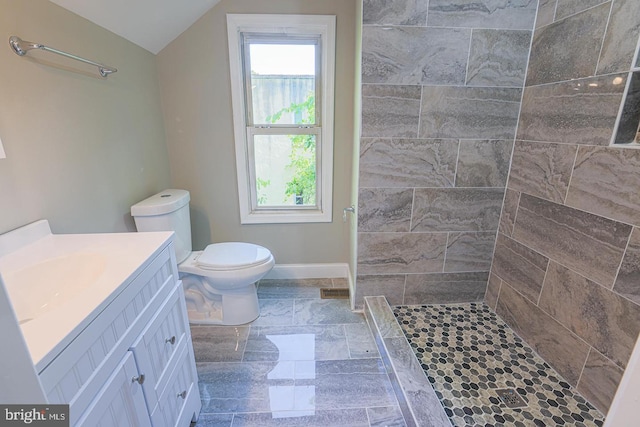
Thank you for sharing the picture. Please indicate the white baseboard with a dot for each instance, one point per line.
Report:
(309, 271)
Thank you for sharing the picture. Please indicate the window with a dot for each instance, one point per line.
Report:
(282, 73)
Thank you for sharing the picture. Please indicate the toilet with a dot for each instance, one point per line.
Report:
(219, 282)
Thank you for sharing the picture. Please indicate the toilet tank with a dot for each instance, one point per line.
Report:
(166, 211)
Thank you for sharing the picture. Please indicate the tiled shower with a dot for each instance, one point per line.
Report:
(480, 131)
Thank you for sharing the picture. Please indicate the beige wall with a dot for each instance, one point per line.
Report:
(196, 97)
(80, 149)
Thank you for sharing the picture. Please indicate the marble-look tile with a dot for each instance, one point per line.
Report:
(599, 381)
(469, 251)
(219, 343)
(568, 49)
(235, 387)
(324, 312)
(571, 7)
(509, 212)
(575, 112)
(482, 13)
(483, 163)
(352, 383)
(556, 344)
(419, 393)
(386, 162)
(307, 418)
(390, 110)
(605, 182)
(291, 288)
(456, 209)
(546, 12)
(381, 319)
(274, 312)
(469, 112)
(425, 56)
(360, 341)
(522, 268)
(393, 253)
(214, 420)
(628, 280)
(296, 343)
(386, 416)
(620, 40)
(498, 58)
(384, 209)
(542, 169)
(445, 288)
(340, 282)
(389, 286)
(605, 320)
(395, 12)
(584, 242)
(270, 386)
(493, 291)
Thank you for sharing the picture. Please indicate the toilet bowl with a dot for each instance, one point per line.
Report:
(219, 282)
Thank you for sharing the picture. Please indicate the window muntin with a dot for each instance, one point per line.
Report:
(284, 137)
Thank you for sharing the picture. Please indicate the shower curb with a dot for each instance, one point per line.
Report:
(417, 399)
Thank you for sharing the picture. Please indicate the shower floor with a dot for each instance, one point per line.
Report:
(468, 354)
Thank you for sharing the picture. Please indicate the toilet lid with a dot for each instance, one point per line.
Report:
(232, 255)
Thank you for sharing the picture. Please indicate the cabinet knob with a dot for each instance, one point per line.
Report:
(171, 340)
(183, 394)
(139, 379)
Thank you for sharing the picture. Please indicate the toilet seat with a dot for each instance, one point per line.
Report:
(232, 256)
(233, 275)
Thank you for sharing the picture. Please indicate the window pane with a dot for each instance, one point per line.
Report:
(283, 83)
(285, 170)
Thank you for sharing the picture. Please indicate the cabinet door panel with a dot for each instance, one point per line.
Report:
(120, 402)
(156, 349)
(180, 399)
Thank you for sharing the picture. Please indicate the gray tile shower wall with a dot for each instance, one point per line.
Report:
(566, 270)
(442, 85)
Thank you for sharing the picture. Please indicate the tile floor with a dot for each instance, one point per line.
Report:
(468, 353)
(304, 362)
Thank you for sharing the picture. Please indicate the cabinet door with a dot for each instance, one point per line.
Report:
(120, 402)
(180, 400)
(156, 349)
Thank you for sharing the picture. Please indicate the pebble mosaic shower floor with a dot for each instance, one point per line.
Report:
(468, 354)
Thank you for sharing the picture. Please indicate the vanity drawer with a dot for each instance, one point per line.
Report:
(157, 349)
(176, 405)
(72, 377)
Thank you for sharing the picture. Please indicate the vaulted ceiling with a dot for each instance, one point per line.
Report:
(151, 24)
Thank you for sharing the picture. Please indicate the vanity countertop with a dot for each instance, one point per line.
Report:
(59, 283)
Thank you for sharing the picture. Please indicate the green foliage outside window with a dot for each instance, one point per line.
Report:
(302, 159)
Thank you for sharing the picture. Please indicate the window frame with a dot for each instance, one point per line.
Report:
(294, 26)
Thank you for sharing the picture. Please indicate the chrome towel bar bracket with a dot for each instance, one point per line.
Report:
(21, 47)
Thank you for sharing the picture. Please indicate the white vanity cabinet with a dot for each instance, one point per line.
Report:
(133, 364)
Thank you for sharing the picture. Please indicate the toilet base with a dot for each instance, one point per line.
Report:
(209, 306)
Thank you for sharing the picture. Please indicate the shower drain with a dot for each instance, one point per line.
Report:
(511, 398)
